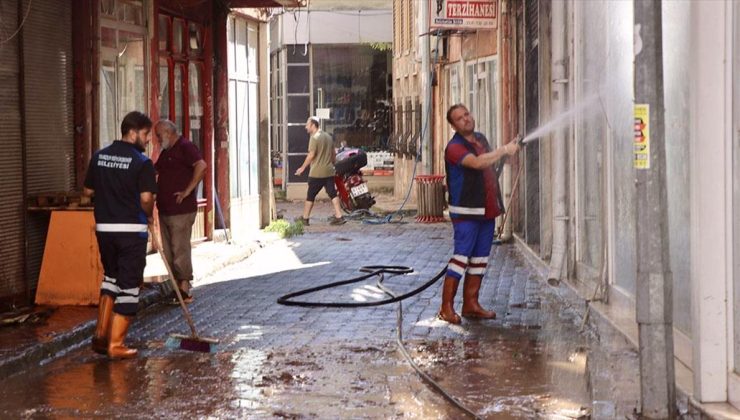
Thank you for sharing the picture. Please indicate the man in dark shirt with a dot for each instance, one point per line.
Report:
(180, 168)
(121, 177)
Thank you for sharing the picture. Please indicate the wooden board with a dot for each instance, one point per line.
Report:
(71, 271)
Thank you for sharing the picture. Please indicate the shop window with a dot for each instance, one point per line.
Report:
(233, 135)
(252, 45)
(164, 33)
(178, 31)
(107, 38)
(177, 86)
(296, 55)
(482, 97)
(298, 79)
(181, 76)
(195, 110)
(230, 37)
(195, 38)
(241, 46)
(164, 87)
(126, 11)
(195, 105)
(455, 91)
(353, 82)
(123, 75)
(108, 8)
(244, 98)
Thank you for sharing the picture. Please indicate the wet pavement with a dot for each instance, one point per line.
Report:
(289, 362)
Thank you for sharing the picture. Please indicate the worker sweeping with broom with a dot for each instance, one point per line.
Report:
(474, 204)
(121, 177)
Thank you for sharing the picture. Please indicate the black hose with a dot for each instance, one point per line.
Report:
(380, 271)
(371, 270)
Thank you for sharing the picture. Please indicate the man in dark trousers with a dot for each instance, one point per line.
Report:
(474, 204)
(180, 168)
(121, 178)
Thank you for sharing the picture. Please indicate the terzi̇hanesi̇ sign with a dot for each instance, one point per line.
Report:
(463, 14)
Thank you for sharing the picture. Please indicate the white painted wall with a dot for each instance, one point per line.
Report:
(710, 230)
(336, 26)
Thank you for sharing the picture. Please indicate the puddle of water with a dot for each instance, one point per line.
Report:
(513, 375)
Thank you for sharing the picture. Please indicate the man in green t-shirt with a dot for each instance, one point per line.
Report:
(321, 158)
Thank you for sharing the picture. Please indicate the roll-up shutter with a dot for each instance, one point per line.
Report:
(47, 64)
(11, 159)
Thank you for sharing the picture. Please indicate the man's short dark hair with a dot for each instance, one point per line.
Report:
(314, 122)
(451, 110)
(135, 120)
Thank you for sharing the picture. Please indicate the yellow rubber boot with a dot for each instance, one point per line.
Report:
(102, 330)
(471, 307)
(118, 329)
(447, 311)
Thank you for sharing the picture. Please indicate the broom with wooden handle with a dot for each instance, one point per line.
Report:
(193, 342)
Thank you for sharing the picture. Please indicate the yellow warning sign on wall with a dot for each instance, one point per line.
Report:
(642, 136)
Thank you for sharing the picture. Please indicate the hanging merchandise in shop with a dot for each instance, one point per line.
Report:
(463, 14)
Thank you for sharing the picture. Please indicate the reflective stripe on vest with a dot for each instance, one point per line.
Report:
(469, 211)
(120, 227)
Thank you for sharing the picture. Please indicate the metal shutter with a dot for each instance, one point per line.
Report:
(47, 63)
(11, 159)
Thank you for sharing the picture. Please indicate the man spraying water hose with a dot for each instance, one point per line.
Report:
(474, 204)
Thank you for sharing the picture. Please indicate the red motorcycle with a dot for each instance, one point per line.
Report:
(352, 189)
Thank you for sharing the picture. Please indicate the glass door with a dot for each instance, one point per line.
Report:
(181, 88)
(123, 76)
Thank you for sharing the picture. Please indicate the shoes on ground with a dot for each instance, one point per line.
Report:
(186, 297)
(337, 220)
(302, 220)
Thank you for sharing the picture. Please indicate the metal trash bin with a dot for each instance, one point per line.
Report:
(430, 196)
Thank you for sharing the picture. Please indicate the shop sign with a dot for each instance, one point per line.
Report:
(463, 14)
(642, 136)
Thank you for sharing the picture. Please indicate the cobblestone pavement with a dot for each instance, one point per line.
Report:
(289, 362)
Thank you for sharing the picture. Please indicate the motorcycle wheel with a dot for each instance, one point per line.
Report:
(344, 207)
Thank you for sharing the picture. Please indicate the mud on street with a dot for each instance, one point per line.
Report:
(288, 362)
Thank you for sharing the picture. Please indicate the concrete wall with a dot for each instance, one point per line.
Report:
(406, 84)
(676, 69)
(710, 229)
(355, 26)
(617, 96)
(341, 5)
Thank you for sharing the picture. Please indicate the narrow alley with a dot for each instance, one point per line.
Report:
(287, 362)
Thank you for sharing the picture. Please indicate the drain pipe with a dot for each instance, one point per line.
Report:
(559, 75)
(427, 146)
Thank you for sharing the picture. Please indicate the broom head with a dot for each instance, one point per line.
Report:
(190, 343)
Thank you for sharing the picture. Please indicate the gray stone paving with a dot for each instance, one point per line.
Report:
(278, 361)
(243, 312)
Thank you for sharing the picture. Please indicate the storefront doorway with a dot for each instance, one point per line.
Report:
(181, 88)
